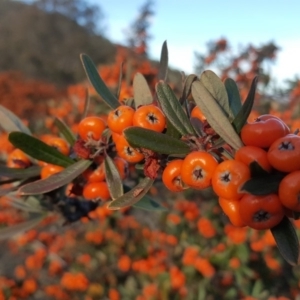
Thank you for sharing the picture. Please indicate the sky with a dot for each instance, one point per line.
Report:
(187, 26)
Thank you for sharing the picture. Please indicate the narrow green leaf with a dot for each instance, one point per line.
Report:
(163, 63)
(287, 241)
(241, 118)
(148, 203)
(38, 149)
(113, 179)
(55, 181)
(87, 102)
(158, 142)
(172, 109)
(215, 115)
(141, 91)
(10, 122)
(5, 191)
(29, 205)
(172, 131)
(11, 231)
(263, 185)
(133, 196)
(65, 130)
(256, 170)
(234, 97)
(97, 82)
(187, 87)
(217, 89)
(18, 173)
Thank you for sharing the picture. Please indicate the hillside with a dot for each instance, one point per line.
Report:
(46, 46)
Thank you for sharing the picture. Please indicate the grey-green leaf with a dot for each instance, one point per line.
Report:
(38, 149)
(215, 115)
(234, 97)
(65, 130)
(113, 179)
(97, 82)
(147, 203)
(133, 196)
(141, 91)
(173, 109)
(287, 241)
(187, 87)
(217, 89)
(241, 118)
(11, 231)
(158, 142)
(10, 122)
(18, 173)
(163, 63)
(55, 181)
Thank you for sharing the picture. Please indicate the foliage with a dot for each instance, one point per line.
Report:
(156, 244)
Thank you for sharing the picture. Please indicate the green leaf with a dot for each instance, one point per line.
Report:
(187, 87)
(133, 196)
(5, 191)
(215, 115)
(163, 63)
(158, 142)
(30, 204)
(172, 131)
(241, 118)
(141, 91)
(65, 131)
(216, 88)
(38, 149)
(287, 241)
(234, 97)
(11, 231)
(113, 179)
(97, 82)
(256, 170)
(87, 102)
(55, 181)
(263, 185)
(18, 173)
(172, 109)
(148, 203)
(10, 122)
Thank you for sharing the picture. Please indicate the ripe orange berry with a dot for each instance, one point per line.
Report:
(261, 212)
(197, 113)
(120, 118)
(289, 191)
(18, 159)
(197, 169)
(228, 177)
(59, 144)
(126, 152)
(231, 210)
(263, 131)
(91, 128)
(96, 190)
(150, 117)
(171, 176)
(49, 170)
(249, 154)
(284, 153)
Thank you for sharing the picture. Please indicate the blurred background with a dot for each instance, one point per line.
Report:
(191, 251)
